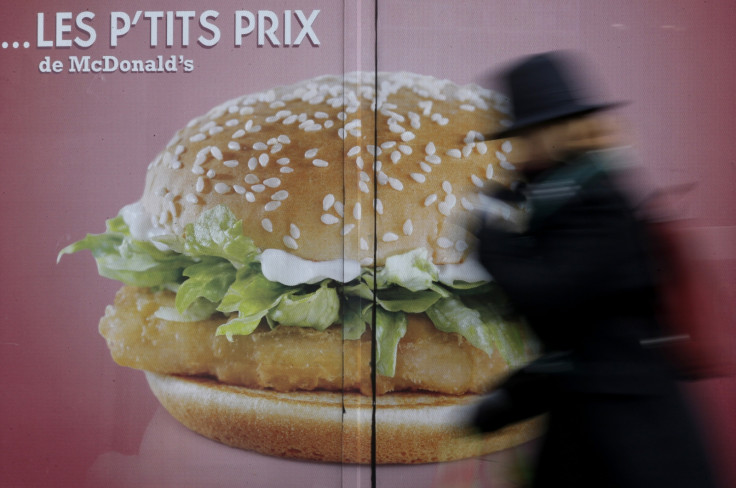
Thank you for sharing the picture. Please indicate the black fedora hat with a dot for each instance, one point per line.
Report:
(544, 88)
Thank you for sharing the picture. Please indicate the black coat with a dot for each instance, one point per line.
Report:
(582, 275)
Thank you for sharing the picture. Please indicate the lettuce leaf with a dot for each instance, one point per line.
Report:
(317, 309)
(411, 270)
(390, 328)
(215, 268)
(122, 258)
(217, 232)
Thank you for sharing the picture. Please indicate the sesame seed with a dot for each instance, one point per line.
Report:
(328, 201)
(284, 139)
(277, 104)
(191, 198)
(405, 149)
(294, 231)
(280, 195)
(451, 200)
(286, 169)
(425, 167)
(396, 128)
(276, 148)
(363, 187)
(272, 182)
(252, 164)
(373, 150)
(408, 227)
(267, 225)
(418, 177)
(476, 181)
(357, 211)
(359, 162)
(282, 161)
(200, 185)
(237, 134)
(467, 107)
(467, 205)
(272, 205)
(258, 188)
(347, 228)
(489, 172)
(179, 149)
(447, 186)
(216, 152)
(461, 246)
(430, 149)
(378, 205)
(250, 197)
(364, 176)
(354, 150)
(263, 159)
(396, 184)
(320, 163)
(290, 242)
(176, 164)
(329, 219)
(289, 120)
(407, 136)
(231, 163)
(507, 165)
(320, 115)
(339, 208)
(311, 153)
(255, 128)
(382, 178)
(232, 122)
(341, 133)
(249, 125)
(455, 153)
(222, 188)
(426, 107)
(260, 146)
(363, 244)
(430, 200)
(467, 149)
(211, 174)
(395, 156)
(251, 179)
(388, 144)
(434, 159)
(444, 242)
(239, 189)
(198, 137)
(215, 130)
(390, 237)
(501, 156)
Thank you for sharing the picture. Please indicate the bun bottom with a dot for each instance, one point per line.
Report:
(411, 428)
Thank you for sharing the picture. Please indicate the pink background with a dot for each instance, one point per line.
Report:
(76, 146)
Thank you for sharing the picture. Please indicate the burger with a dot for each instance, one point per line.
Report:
(296, 280)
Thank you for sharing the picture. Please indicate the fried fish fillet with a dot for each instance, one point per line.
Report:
(289, 358)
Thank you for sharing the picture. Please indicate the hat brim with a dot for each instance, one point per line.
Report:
(550, 116)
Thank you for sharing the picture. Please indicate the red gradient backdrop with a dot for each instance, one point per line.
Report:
(75, 149)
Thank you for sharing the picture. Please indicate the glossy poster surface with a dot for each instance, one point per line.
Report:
(92, 93)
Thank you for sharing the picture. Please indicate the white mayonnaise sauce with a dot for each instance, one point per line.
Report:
(290, 270)
(141, 225)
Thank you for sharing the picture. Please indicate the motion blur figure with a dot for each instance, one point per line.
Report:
(581, 271)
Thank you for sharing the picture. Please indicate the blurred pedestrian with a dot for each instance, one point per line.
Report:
(581, 271)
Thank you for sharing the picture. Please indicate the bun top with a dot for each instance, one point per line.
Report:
(332, 168)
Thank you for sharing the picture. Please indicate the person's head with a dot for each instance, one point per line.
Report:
(545, 145)
(552, 110)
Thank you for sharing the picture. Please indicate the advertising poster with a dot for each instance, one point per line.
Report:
(180, 177)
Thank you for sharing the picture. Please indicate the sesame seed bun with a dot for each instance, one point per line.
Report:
(411, 428)
(301, 165)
